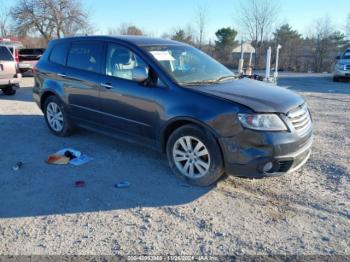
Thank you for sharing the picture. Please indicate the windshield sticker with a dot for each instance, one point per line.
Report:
(162, 56)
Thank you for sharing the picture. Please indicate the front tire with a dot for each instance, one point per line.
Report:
(194, 155)
(335, 79)
(56, 117)
(9, 91)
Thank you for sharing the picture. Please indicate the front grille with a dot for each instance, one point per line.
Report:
(300, 119)
(347, 67)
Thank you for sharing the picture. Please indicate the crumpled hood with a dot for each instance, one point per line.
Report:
(259, 96)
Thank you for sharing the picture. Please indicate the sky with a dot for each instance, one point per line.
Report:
(156, 17)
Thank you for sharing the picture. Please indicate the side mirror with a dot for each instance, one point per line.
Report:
(337, 57)
(139, 74)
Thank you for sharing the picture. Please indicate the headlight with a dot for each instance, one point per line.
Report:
(340, 66)
(266, 122)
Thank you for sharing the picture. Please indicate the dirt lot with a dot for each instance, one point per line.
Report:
(41, 212)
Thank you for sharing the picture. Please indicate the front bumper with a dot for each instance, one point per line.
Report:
(342, 73)
(247, 154)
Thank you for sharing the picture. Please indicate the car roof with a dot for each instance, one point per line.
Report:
(132, 39)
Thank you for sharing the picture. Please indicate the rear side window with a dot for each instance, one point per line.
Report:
(58, 54)
(5, 54)
(85, 56)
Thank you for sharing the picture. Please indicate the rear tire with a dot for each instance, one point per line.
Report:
(9, 91)
(56, 117)
(194, 155)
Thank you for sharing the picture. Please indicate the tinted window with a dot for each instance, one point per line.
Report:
(85, 56)
(120, 61)
(5, 54)
(32, 51)
(58, 54)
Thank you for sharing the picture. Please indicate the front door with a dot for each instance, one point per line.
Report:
(128, 106)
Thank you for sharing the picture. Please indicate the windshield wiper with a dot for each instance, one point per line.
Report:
(223, 78)
(210, 81)
(201, 82)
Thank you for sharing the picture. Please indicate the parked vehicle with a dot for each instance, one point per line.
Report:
(9, 76)
(28, 57)
(173, 97)
(342, 67)
(13, 45)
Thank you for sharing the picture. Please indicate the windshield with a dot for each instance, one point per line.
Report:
(188, 65)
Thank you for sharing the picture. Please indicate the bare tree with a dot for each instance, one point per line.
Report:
(50, 18)
(201, 22)
(327, 42)
(347, 27)
(129, 29)
(4, 21)
(256, 18)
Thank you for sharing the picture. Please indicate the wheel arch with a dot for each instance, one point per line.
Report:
(46, 94)
(178, 122)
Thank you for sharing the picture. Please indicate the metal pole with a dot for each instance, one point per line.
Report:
(241, 60)
(268, 64)
(250, 58)
(276, 66)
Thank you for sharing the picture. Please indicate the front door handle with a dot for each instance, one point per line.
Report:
(106, 85)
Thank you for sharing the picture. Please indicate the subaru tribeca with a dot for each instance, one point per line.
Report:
(176, 99)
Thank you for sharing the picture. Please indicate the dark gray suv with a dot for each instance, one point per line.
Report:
(176, 99)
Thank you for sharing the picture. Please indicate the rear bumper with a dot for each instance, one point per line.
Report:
(14, 81)
(285, 151)
(25, 66)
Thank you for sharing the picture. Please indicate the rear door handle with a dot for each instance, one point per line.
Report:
(62, 75)
(106, 85)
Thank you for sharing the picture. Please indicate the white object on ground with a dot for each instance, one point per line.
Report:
(83, 159)
(80, 159)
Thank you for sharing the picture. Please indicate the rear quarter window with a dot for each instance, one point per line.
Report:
(58, 54)
(86, 56)
(5, 54)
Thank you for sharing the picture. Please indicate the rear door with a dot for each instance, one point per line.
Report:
(7, 64)
(82, 80)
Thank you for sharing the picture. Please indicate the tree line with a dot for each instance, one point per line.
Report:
(36, 22)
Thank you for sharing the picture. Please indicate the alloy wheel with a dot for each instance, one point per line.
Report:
(191, 157)
(54, 117)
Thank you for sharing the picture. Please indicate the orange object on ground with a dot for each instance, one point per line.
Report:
(57, 160)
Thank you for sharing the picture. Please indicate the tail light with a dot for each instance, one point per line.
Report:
(16, 55)
(17, 69)
(34, 69)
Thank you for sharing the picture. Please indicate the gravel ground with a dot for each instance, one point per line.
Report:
(41, 212)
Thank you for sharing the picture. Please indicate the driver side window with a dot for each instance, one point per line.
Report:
(120, 61)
